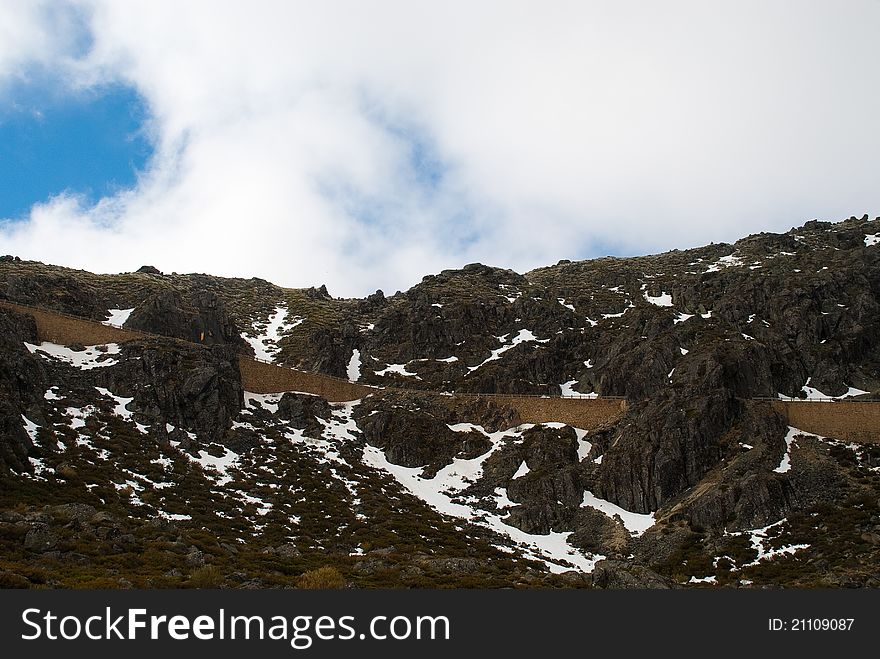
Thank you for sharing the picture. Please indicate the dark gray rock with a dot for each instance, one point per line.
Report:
(22, 385)
(620, 574)
(41, 538)
(303, 412)
(191, 387)
(200, 319)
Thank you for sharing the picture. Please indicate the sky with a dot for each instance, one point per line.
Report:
(366, 144)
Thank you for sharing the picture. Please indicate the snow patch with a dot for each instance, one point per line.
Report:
(399, 369)
(174, 517)
(216, 468)
(438, 492)
(790, 436)
(872, 240)
(567, 388)
(635, 523)
(78, 417)
(87, 359)
(266, 345)
(117, 317)
(812, 393)
(629, 305)
(502, 501)
(269, 402)
(728, 261)
(523, 336)
(584, 446)
(757, 538)
(121, 409)
(662, 300)
(31, 428)
(522, 471)
(354, 366)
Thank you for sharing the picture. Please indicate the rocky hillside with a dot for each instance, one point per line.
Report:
(147, 463)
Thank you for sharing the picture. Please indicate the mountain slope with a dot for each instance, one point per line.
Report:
(150, 453)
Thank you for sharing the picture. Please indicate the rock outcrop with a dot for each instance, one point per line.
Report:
(203, 319)
(22, 383)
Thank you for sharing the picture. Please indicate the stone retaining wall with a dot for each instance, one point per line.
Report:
(849, 421)
(261, 378)
(68, 330)
(586, 413)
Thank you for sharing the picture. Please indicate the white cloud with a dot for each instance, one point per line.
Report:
(285, 132)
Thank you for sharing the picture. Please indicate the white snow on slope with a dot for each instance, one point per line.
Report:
(852, 391)
(91, 357)
(565, 304)
(174, 517)
(635, 523)
(354, 366)
(117, 317)
(567, 388)
(871, 240)
(445, 360)
(269, 402)
(522, 471)
(728, 261)
(814, 394)
(584, 446)
(78, 416)
(629, 305)
(523, 336)
(785, 463)
(399, 369)
(38, 464)
(757, 538)
(263, 507)
(680, 318)
(323, 451)
(266, 345)
(553, 549)
(31, 428)
(121, 409)
(215, 468)
(662, 300)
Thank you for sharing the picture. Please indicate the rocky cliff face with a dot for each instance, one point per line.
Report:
(682, 486)
(21, 378)
(203, 319)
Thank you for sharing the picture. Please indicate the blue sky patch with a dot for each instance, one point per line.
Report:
(90, 143)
